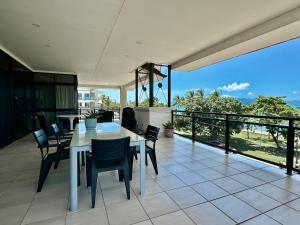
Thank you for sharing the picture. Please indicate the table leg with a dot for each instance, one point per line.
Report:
(73, 180)
(142, 167)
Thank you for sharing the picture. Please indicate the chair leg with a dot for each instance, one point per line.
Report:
(146, 160)
(44, 171)
(127, 185)
(82, 158)
(153, 160)
(131, 165)
(56, 164)
(94, 176)
(88, 172)
(135, 156)
(121, 175)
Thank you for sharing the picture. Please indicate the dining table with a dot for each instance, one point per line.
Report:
(70, 117)
(81, 142)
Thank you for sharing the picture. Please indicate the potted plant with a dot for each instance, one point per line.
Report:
(90, 120)
(169, 129)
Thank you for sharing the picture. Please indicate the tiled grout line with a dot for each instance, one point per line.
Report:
(248, 188)
(181, 209)
(28, 208)
(219, 178)
(129, 200)
(103, 202)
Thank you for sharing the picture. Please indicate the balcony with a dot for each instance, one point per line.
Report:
(197, 184)
(46, 53)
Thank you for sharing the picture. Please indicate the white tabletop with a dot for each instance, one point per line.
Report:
(83, 137)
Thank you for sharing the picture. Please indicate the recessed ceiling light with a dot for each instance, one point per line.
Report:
(36, 25)
(139, 42)
(47, 45)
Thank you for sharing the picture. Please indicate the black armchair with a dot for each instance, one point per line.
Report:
(108, 155)
(48, 158)
(128, 119)
(151, 135)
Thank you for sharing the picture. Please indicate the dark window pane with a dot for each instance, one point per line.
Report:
(44, 96)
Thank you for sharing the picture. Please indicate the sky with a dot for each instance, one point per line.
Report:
(273, 71)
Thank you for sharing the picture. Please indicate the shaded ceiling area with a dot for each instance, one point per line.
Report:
(104, 41)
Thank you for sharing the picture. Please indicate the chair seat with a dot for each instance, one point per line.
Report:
(137, 150)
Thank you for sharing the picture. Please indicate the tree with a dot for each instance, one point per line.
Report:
(208, 124)
(273, 106)
(156, 103)
(107, 103)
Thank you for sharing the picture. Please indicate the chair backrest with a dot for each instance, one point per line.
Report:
(152, 132)
(41, 139)
(43, 124)
(108, 116)
(128, 118)
(100, 113)
(56, 131)
(110, 150)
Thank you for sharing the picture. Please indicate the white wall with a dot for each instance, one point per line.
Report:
(155, 116)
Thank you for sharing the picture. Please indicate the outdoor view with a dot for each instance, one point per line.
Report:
(265, 82)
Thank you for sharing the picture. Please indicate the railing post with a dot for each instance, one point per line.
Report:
(290, 147)
(227, 134)
(172, 116)
(193, 127)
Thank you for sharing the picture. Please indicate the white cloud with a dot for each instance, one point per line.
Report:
(227, 96)
(250, 93)
(295, 92)
(235, 87)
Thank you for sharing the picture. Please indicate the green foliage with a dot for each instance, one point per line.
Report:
(91, 115)
(273, 106)
(197, 101)
(168, 125)
(107, 103)
(145, 103)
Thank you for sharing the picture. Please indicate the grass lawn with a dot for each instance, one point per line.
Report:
(258, 145)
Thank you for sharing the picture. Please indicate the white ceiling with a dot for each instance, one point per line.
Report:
(103, 41)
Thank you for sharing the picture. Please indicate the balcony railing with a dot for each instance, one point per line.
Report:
(271, 139)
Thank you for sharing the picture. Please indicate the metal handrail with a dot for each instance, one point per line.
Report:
(289, 126)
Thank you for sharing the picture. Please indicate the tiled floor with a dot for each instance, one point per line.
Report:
(196, 184)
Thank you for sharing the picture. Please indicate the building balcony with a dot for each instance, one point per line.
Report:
(197, 184)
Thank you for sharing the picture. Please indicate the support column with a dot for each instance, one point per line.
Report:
(151, 98)
(136, 88)
(169, 86)
(123, 100)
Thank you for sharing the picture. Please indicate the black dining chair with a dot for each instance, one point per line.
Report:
(108, 155)
(128, 119)
(48, 158)
(100, 113)
(43, 124)
(64, 138)
(108, 116)
(151, 135)
(63, 142)
(63, 132)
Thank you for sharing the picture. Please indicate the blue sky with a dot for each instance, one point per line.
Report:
(273, 71)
